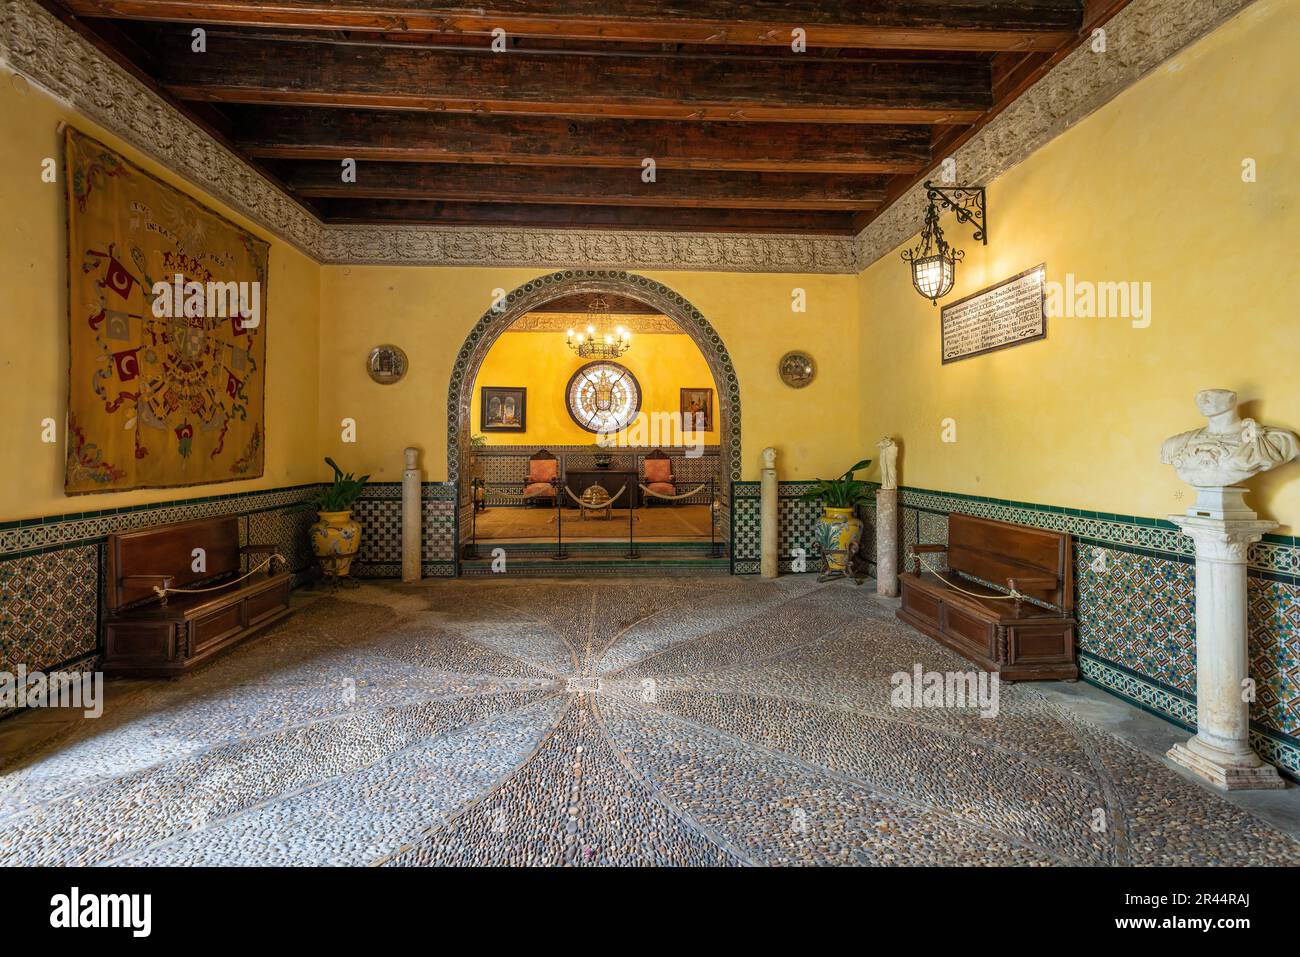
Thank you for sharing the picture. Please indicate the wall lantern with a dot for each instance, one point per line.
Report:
(933, 261)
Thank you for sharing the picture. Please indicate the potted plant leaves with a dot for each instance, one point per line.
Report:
(839, 530)
(335, 535)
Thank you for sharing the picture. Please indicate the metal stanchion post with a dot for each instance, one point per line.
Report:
(559, 520)
(472, 551)
(631, 544)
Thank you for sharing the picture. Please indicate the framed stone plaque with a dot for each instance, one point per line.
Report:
(1009, 313)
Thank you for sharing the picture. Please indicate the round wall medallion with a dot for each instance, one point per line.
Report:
(603, 397)
(386, 364)
(797, 369)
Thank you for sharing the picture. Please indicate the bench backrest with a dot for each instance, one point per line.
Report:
(169, 550)
(995, 551)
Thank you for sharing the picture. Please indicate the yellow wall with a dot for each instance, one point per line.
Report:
(1148, 189)
(542, 363)
(428, 311)
(34, 325)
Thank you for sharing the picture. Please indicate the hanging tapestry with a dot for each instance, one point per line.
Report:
(167, 332)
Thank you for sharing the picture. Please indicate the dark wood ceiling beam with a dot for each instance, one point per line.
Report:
(543, 216)
(288, 133)
(600, 187)
(241, 70)
(992, 25)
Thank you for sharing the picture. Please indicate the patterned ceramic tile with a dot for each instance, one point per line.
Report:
(48, 605)
(1138, 611)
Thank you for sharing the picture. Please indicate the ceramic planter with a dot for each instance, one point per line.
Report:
(335, 538)
(839, 532)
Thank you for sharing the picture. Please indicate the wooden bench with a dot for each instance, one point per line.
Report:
(1018, 639)
(151, 635)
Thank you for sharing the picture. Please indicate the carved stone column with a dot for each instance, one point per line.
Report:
(1221, 751)
(412, 517)
(1215, 460)
(769, 544)
(887, 542)
(887, 520)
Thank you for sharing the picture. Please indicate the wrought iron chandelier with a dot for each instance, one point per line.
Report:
(934, 261)
(593, 344)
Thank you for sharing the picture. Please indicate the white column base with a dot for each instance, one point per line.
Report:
(1225, 770)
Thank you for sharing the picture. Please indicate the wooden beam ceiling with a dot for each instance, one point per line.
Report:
(609, 187)
(985, 25)
(319, 133)
(745, 133)
(240, 69)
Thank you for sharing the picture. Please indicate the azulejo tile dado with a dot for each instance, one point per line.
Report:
(1135, 596)
(60, 530)
(48, 608)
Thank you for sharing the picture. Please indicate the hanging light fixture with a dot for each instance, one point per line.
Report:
(934, 261)
(593, 342)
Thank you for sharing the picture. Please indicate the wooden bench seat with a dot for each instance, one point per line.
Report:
(148, 635)
(1021, 640)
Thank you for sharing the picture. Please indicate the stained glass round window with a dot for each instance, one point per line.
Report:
(603, 397)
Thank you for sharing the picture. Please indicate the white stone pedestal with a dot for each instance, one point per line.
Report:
(412, 518)
(887, 542)
(1221, 752)
(768, 565)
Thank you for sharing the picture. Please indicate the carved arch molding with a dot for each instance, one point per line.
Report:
(543, 289)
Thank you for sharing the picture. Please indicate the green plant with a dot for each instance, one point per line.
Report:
(478, 441)
(339, 496)
(843, 492)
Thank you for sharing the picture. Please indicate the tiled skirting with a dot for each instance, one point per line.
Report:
(796, 524)
(1135, 595)
(379, 510)
(51, 569)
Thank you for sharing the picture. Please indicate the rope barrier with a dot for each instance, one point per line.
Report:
(1014, 596)
(673, 498)
(163, 591)
(605, 504)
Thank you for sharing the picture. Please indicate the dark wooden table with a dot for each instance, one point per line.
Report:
(611, 480)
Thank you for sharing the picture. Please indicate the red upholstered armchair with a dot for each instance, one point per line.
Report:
(543, 468)
(659, 476)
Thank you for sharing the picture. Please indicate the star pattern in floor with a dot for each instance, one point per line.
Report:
(717, 721)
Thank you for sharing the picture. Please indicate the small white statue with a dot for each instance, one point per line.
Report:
(411, 456)
(1229, 449)
(888, 462)
(769, 458)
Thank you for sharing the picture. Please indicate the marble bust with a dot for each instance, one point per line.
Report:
(412, 456)
(888, 462)
(769, 458)
(1229, 449)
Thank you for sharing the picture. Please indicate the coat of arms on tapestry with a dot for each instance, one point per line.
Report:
(167, 332)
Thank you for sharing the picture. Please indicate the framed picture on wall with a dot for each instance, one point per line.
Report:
(503, 409)
(697, 410)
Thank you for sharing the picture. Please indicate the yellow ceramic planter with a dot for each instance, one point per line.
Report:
(335, 538)
(839, 532)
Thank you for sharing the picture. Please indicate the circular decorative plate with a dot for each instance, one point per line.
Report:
(603, 397)
(797, 369)
(386, 364)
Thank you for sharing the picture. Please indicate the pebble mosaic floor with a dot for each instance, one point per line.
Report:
(724, 722)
